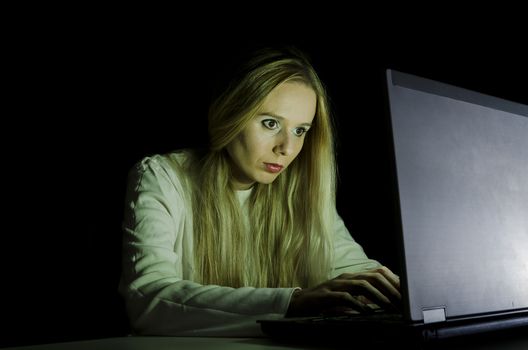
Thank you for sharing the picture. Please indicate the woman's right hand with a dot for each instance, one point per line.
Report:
(348, 293)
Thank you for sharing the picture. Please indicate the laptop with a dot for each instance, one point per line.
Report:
(461, 175)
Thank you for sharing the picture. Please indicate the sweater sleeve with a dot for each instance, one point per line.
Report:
(159, 300)
(349, 256)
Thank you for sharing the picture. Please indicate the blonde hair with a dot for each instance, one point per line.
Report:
(289, 240)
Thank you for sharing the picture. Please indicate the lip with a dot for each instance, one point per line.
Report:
(273, 168)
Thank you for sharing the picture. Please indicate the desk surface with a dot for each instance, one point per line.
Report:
(198, 343)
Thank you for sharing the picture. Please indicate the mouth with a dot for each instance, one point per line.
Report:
(273, 168)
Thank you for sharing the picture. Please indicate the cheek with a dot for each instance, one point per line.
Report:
(298, 148)
(250, 146)
(237, 150)
(258, 145)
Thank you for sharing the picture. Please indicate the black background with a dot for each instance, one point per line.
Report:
(89, 100)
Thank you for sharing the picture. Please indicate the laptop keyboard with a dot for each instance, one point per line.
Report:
(369, 317)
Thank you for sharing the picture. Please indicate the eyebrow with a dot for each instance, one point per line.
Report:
(281, 118)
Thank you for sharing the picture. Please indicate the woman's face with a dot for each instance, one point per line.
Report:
(272, 140)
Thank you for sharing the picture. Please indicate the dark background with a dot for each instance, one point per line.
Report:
(88, 101)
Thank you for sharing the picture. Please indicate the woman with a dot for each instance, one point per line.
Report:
(248, 229)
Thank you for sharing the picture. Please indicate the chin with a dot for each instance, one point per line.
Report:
(267, 180)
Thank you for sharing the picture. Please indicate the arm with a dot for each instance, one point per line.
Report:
(357, 282)
(156, 282)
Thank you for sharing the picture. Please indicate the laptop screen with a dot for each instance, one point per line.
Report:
(462, 173)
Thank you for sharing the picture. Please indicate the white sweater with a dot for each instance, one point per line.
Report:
(157, 276)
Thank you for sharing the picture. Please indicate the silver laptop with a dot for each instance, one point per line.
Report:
(461, 165)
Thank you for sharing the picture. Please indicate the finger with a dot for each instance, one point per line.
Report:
(369, 303)
(378, 295)
(393, 278)
(345, 300)
(381, 283)
(364, 287)
(377, 283)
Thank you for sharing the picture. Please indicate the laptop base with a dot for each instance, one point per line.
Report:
(312, 329)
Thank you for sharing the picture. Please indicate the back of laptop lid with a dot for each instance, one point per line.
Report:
(462, 173)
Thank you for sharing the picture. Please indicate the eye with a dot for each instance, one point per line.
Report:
(299, 131)
(271, 124)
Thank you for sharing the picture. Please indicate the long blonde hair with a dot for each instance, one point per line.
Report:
(289, 239)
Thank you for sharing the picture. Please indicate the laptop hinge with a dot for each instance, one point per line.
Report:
(434, 315)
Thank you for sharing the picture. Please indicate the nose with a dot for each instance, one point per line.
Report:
(284, 145)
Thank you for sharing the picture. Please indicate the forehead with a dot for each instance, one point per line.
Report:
(292, 100)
